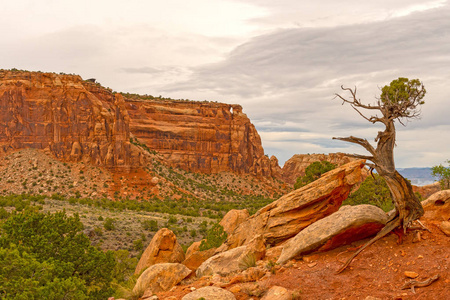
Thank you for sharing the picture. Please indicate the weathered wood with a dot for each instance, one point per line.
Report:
(407, 206)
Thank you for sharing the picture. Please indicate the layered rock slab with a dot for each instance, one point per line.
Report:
(163, 248)
(285, 217)
(349, 224)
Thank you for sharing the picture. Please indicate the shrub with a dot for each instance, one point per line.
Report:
(313, 172)
(215, 237)
(45, 256)
(151, 225)
(373, 190)
(109, 224)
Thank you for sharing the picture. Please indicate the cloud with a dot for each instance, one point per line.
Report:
(292, 75)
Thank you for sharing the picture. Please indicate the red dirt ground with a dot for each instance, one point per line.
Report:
(378, 271)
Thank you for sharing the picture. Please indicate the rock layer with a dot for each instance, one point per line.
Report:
(297, 164)
(285, 217)
(202, 137)
(74, 119)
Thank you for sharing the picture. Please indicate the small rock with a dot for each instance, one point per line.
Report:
(420, 256)
(235, 289)
(410, 274)
(210, 292)
(277, 293)
(310, 258)
(192, 288)
(371, 298)
(312, 265)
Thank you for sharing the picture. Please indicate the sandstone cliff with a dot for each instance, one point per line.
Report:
(297, 164)
(202, 137)
(73, 119)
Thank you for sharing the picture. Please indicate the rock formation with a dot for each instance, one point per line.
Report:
(74, 119)
(427, 190)
(161, 277)
(163, 248)
(202, 137)
(349, 224)
(297, 164)
(210, 292)
(285, 217)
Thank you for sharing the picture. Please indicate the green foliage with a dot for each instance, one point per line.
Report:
(215, 237)
(109, 224)
(151, 225)
(403, 90)
(125, 266)
(22, 276)
(442, 174)
(313, 172)
(372, 191)
(53, 247)
(138, 244)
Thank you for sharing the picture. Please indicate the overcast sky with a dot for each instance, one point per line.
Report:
(281, 60)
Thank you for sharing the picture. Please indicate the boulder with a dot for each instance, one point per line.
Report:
(287, 216)
(277, 293)
(229, 261)
(427, 190)
(233, 218)
(437, 206)
(163, 248)
(161, 277)
(195, 259)
(445, 227)
(349, 224)
(210, 293)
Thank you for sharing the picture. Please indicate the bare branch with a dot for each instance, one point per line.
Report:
(360, 156)
(362, 142)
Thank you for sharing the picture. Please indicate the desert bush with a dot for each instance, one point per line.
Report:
(215, 237)
(108, 224)
(45, 256)
(313, 172)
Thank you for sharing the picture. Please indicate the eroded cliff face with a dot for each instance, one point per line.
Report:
(201, 136)
(73, 119)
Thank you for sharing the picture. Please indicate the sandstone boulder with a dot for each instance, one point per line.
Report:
(163, 248)
(233, 218)
(161, 277)
(437, 206)
(345, 226)
(445, 227)
(229, 261)
(427, 190)
(285, 217)
(210, 293)
(277, 293)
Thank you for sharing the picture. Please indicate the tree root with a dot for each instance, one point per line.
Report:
(383, 232)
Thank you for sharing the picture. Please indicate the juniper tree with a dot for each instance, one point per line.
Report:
(399, 101)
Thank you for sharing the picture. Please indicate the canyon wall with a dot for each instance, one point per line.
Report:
(73, 119)
(202, 137)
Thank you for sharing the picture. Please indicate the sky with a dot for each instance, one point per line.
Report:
(283, 61)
